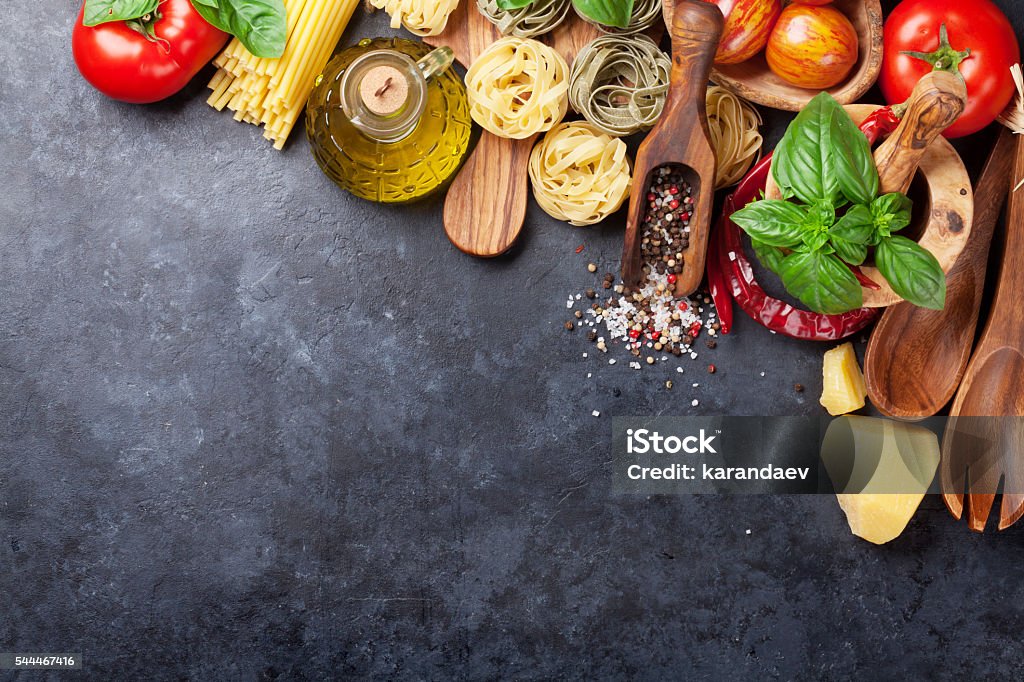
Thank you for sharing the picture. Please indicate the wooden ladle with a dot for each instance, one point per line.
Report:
(993, 387)
(680, 141)
(916, 357)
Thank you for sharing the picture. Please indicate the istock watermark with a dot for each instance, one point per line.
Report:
(814, 455)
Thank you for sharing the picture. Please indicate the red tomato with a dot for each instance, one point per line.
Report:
(812, 47)
(124, 64)
(747, 25)
(978, 26)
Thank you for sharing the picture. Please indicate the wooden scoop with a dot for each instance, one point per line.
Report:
(916, 357)
(993, 386)
(680, 140)
(486, 203)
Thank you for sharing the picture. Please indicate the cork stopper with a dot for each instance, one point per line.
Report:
(384, 90)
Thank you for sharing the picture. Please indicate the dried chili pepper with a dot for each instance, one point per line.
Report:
(731, 276)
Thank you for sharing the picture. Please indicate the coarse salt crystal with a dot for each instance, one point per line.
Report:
(584, 355)
(695, 403)
(679, 369)
(693, 355)
(611, 361)
(596, 413)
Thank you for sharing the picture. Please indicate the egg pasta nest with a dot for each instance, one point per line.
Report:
(580, 174)
(517, 88)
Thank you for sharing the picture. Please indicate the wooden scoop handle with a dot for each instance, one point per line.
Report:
(937, 100)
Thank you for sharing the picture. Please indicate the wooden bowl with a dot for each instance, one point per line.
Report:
(947, 209)
(753, 80)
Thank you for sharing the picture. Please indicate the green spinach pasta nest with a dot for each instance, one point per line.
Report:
(537, 18)
(619, 83)
(645, 14)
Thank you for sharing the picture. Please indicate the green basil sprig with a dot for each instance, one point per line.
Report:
(101, 11)
(261, 25)
(832, 217)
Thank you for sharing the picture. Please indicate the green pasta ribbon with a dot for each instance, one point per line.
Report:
(620, 83)
(533, 19)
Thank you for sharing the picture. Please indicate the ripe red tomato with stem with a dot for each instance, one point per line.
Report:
(973, 38)
(148, 59)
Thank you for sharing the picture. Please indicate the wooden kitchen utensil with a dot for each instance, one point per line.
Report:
(486, 203)
(680, 141)
(916, 146)
(916, 357)
(979, 453)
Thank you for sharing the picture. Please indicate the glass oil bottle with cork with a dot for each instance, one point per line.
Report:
(388, 120)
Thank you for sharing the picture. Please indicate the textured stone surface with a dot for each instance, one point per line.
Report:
(251, 427)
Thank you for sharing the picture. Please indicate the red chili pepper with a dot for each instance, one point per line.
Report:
(731, 276)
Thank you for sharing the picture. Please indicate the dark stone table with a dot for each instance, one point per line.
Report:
(253, 428)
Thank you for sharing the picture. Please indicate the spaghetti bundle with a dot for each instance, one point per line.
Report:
(272, 92)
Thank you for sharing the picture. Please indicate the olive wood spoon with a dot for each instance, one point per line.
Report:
(992, 449)
(486, 203)
(680, 139)
(916, 357)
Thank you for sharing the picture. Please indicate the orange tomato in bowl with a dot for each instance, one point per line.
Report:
(748, 24)
(812, 46)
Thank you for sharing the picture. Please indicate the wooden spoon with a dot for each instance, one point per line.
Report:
(916, 357)
(990, 449)
(486, 203)
(680, 140)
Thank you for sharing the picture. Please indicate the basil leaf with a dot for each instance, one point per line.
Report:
(772, 221)
(512, 4)
(855, 227)
(912, 272)
(615, 13)
(890, 213)
(101, 11)
(770, 256)
(821, 282)
(852, 253)
(804, 164)
(854, 166)
(261, 25)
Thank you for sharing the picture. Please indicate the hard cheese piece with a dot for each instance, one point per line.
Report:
(879, 517)
(843, 383)
(881, 470)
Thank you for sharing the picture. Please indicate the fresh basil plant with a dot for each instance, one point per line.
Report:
(261, 25)
(831, 215)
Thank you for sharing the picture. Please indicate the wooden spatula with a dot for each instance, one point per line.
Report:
(990, 449)
(486, 203)
(916, 357)
(680, 141)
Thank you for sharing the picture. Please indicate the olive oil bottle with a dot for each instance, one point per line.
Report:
(388, 120)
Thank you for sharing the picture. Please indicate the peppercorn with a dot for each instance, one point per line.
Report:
(591, 267)
(578, 314)
(799, 388)
(590, 293)
(712, 369)
(569, 326)
(711, 343)
(592, 335)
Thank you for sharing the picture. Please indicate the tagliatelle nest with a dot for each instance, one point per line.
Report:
(620, 83)
(517, 88)
(580, 174)
(537, 18)
(733, 125)
(422, 17)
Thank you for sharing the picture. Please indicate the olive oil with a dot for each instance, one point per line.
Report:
(388, 120)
